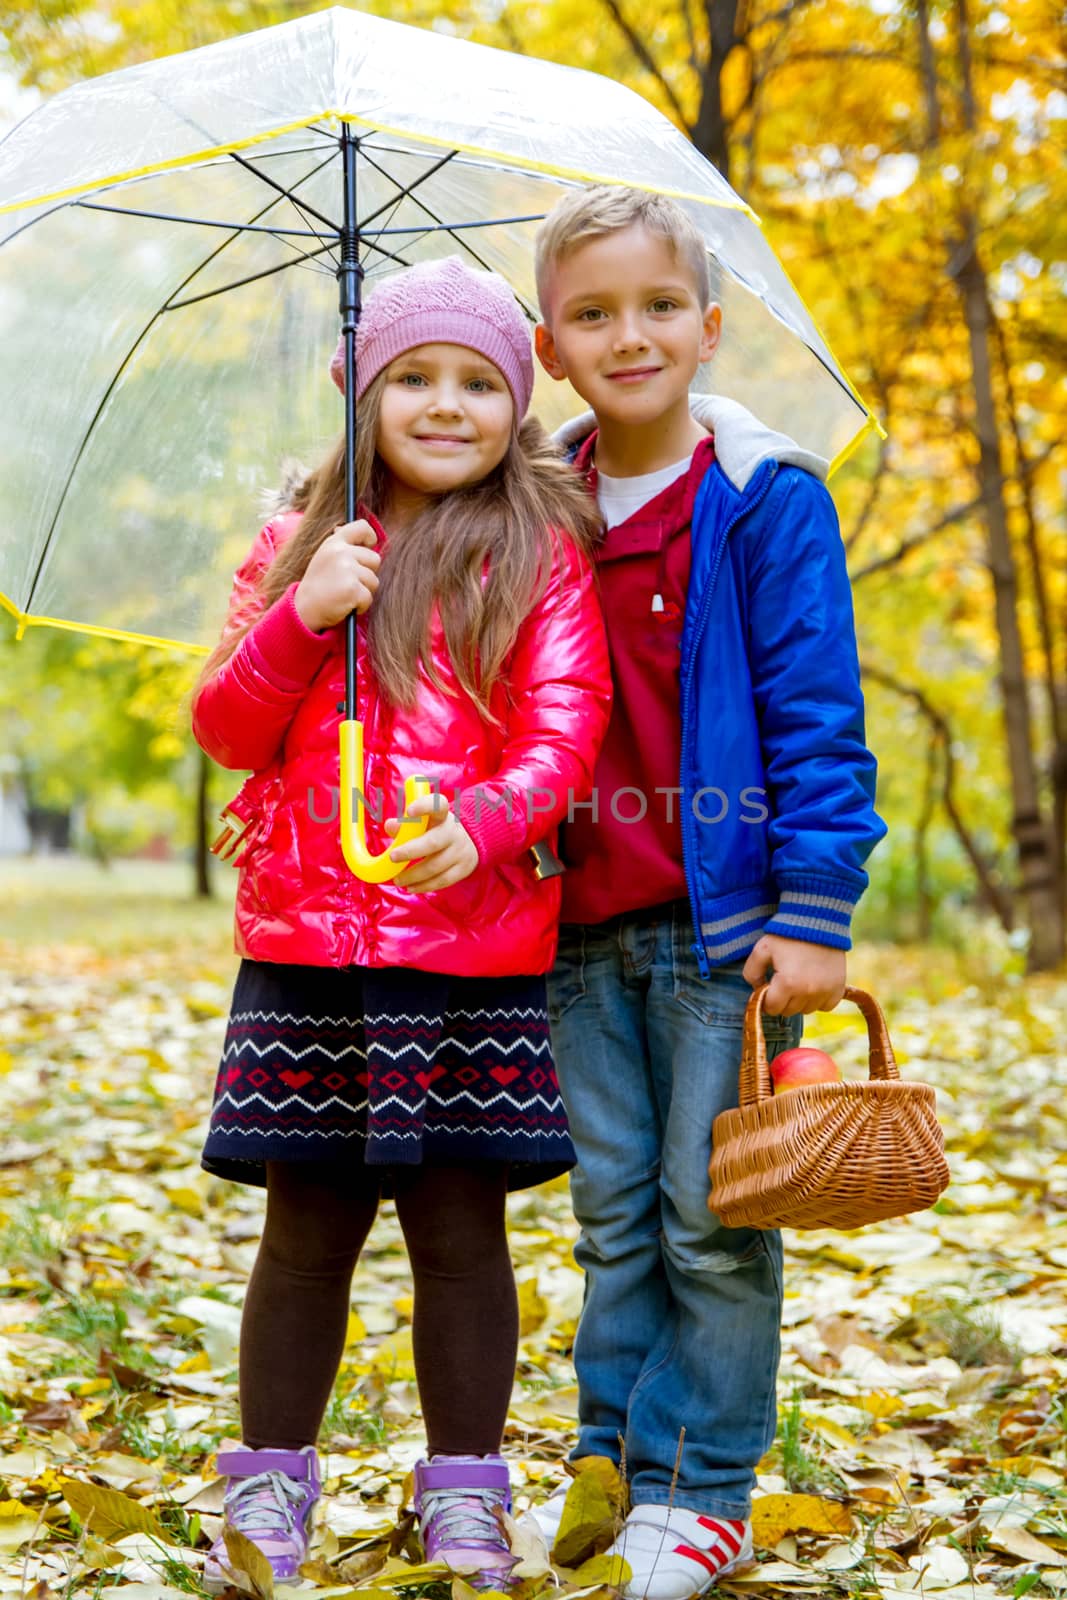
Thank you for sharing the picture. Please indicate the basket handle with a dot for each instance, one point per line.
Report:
(755, 1082)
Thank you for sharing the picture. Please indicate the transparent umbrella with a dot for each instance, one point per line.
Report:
(172, 238)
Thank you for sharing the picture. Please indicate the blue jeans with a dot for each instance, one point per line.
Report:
(680, 1323)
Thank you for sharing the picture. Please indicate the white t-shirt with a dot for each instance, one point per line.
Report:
(619, 498)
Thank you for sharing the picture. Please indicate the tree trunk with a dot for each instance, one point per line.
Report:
(1032, 834)
(1031, 830)
(985, 872)
(204, 891)
(710, 133)
(923, 896)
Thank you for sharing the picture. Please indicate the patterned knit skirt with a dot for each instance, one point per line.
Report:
(387, 1067)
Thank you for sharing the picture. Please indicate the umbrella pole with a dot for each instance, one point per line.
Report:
(365, 866)
(350, 281)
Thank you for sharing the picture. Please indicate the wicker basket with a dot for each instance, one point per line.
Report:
(826, 1155)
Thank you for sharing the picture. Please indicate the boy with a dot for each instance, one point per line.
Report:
(732, 814)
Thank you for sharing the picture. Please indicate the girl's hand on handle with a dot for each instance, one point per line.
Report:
(804, 977)
(342, 576)
(445, 854)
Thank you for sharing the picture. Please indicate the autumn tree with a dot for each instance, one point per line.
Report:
(907, 166)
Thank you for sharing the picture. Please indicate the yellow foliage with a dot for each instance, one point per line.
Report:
(109, 1514)
(588, 1522)
(775, 1515)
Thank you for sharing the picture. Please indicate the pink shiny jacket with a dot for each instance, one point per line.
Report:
(275, 707)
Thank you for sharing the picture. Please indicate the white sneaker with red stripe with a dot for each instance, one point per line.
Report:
(674, 1553)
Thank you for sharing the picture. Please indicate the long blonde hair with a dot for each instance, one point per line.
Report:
(509, 524)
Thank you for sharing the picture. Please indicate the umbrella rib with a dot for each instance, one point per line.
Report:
(107, 188)
(205, 133)
(408, 190)
(199, 222)
(454, 227)
(127, 358)
(407, 194)
(302, 206)
(303, 259)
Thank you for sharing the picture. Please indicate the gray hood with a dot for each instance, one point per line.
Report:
(742, 442)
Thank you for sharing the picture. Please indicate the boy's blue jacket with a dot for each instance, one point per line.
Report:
(777, 782)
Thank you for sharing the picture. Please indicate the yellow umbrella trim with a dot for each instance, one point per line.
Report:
(93, 629)
(574, 173)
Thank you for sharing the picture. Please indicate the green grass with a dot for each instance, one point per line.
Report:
(34, 1234)
(121, 910)
(349, 1414)
(803, 1468)
(969, 1332)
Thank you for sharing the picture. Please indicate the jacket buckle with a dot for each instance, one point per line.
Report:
(232, 834)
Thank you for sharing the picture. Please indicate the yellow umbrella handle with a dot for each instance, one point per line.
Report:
(367, 867)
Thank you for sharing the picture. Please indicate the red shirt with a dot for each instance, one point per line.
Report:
(627, 853)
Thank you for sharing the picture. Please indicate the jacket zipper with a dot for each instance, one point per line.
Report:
(688, 823)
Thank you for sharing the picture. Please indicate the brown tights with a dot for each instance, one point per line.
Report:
(466, 1320)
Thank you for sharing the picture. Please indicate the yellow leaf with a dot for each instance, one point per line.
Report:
(1025, 1466)
(108, 1513)
(397, 1572)
(829, 1430)
(320, 1573)
(360, 1566)
(588, 1521)
(1017, 1542)
(533, 1307)
(97, 1553)
(92, 1386)
(527, 1546)
(393, 1358)
(186, 1200)
(363, 1594)
(881, 1404)
(607, 1475)
(248, 1559)
(48, 1480)
(198, 1363)
(201, 1009)
(775, 1515)
(611, 1571)
(356, 1330)
(16, 1530)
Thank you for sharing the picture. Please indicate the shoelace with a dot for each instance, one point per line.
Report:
(266, 1503)
(464, 1516)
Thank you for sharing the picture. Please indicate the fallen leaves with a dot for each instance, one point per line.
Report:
(775, 1515)
(592, 1512)
(250, 1567)
(921, 1442)
(108, 1513)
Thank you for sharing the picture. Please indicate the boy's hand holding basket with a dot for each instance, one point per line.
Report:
(826, 1155)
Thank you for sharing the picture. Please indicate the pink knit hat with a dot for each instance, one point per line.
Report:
(442, 302)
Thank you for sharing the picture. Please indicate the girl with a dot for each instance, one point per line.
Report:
(394, 1038)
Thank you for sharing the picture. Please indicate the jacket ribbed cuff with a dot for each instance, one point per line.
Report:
(287, 652)
(817, 910)
(497, 826)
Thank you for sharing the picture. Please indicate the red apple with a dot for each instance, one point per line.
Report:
(792, 1069)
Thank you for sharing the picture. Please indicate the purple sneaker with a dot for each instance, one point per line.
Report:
(456, 1502)
(269, 1498)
